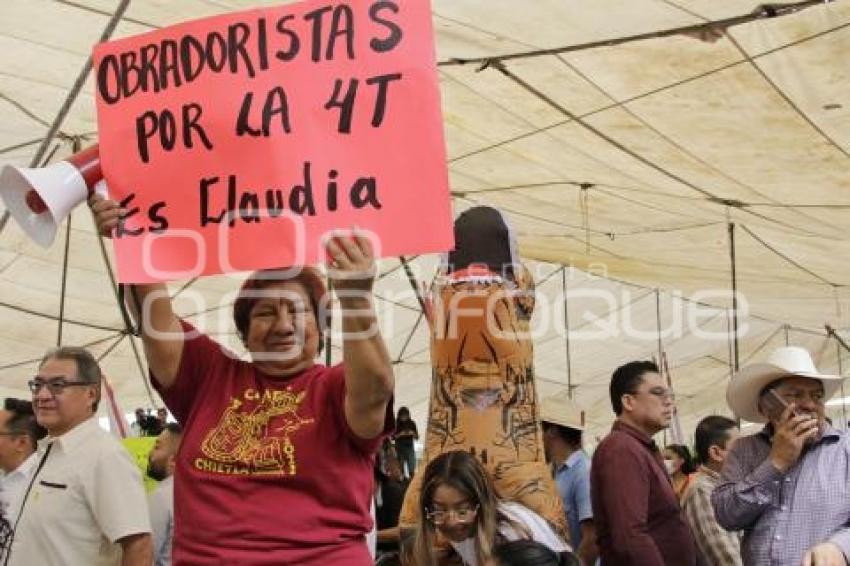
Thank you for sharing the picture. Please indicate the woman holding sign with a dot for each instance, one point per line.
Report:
(277, 455)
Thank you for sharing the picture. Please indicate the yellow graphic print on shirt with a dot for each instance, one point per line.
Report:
(253, 435)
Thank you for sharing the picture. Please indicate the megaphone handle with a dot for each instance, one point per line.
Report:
(87, 163)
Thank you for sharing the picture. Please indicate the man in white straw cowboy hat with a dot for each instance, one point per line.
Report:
(786, 487)
(563, 425)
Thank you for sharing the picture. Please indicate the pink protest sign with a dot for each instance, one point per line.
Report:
(235, 142)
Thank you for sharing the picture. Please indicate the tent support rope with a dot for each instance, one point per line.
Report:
(413, 283)
(111, 347)
(38, 359)
(423, 310)
(413, 330)
(75, 146)
(499, 65)
(761, 12)
(788, 259)
(64, 282)
(786, 98)
(127, 323)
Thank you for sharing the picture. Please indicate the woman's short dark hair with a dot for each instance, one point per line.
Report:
(309, 278)
(687, 460)
(626, 379)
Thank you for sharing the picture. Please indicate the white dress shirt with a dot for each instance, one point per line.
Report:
(13, 485)
(87, 496)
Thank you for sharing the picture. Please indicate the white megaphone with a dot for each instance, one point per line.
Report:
(40, 199)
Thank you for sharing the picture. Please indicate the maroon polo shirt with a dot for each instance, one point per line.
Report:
(636, 513)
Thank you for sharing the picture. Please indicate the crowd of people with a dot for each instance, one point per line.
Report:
(147, 424)
(280, 460)
(776, 497)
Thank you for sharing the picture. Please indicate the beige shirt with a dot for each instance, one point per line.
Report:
(87, 496)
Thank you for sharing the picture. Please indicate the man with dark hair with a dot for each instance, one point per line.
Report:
(563, 425)
(85, 503)
(19, 436)
(715, 436)
(161, 463)
(636, 513)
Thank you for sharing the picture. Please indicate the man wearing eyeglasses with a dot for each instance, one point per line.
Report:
(85, 503)
(19, 435)
(636, 512)
(786, 486)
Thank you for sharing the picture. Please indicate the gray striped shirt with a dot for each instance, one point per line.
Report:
(785, 514)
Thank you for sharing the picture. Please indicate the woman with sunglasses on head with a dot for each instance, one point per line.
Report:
(459, 505)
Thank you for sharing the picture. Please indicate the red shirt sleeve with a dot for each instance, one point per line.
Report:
(201, 357)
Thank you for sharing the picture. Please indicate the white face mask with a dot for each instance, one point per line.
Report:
(670, 465)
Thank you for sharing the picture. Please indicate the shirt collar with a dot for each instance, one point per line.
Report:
(74, 437)
(641, 436)
(571, 461)
(709, 472)
(25, 467)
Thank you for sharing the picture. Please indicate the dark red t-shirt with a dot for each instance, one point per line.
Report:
(268, 472)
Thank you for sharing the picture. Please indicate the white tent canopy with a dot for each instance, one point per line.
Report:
(626, 160)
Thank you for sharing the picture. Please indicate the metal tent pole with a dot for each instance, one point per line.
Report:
(736, 356)
(567, 333)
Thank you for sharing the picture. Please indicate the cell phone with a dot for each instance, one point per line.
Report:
(775, 405)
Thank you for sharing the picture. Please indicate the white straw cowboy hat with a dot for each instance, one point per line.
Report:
(562, 412)
(746, 386)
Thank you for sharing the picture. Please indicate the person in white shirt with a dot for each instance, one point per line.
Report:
(19, 436)
(85, 503)
(161, 462)
(459, 505)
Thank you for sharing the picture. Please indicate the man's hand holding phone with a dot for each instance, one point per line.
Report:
(791, 430)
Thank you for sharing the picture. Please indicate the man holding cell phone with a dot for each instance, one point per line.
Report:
(787, 486)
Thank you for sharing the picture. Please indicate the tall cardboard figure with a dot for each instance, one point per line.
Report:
(483, 396)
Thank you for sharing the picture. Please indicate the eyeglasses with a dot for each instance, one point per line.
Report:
(660, 392)
(440, 517)
(56, 386)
